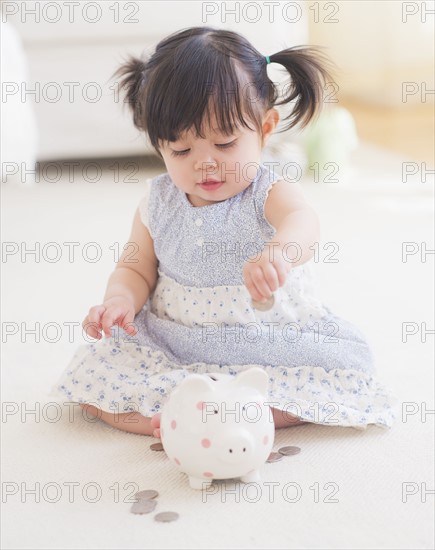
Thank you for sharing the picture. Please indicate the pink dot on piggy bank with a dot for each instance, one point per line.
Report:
(206, 443)
(173, 424)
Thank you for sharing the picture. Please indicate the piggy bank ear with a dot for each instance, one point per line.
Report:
(253, 378)
(195, 384)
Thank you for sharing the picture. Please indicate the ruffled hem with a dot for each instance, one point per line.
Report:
(123, 377)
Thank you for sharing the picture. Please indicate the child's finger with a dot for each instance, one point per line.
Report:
(130, 328)
(95, 314)
(91, 329)
(253, 290)
(261, 284)
(271, 278)
(109, 318)
(128, 323)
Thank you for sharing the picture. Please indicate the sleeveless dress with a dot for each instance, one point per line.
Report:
(200, 319)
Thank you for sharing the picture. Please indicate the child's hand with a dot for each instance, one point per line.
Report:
(264, 276)
(115, 311)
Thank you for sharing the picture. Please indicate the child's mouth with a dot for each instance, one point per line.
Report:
(211, 185)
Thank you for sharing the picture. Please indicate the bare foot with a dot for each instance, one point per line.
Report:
(155, 425)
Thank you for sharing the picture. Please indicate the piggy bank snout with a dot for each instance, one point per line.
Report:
(236, 448)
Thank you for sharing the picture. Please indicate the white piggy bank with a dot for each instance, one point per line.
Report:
(217, 426)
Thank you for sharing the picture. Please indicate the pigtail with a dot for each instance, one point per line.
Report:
(309, 70)
(132, 75)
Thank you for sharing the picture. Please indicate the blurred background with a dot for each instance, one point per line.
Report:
(58, 101)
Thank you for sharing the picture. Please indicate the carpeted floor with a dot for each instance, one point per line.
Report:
(68, 482)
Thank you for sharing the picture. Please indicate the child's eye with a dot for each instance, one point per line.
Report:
(179, 153)
(226, 145)
(221, 146)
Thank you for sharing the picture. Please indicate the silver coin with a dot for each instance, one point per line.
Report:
(147, 494)
(156, 447)
(143, 506)
(264, 306)
(288, 451)
(166, 516)
(274, 457)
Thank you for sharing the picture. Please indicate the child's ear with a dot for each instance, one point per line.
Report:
(270, 122)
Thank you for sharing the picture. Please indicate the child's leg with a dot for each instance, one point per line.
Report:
(139, 424)
(132, 422)
(283, 419)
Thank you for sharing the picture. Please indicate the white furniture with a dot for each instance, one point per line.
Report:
(18, 140)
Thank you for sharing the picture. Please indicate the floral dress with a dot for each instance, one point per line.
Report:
(200, 319)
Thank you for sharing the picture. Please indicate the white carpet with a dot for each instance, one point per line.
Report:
(344, 490)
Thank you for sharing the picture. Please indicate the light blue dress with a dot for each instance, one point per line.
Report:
(200, 319)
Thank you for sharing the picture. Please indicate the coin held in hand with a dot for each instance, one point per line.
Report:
(156, 447)
(264, 306)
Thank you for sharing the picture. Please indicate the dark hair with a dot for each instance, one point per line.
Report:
(201, 70)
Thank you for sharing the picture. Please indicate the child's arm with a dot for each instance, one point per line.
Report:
(295, 222)
(135, 275)
(129, 286)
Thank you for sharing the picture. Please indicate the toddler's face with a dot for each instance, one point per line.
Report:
(233, 160)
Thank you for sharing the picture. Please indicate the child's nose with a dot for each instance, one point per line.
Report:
(207, 165)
